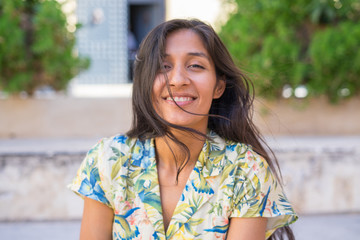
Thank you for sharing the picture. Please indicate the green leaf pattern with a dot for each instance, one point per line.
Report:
(229, 180)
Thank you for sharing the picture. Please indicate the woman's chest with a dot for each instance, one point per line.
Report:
(189, 217)
(169, 196)
(195, 207)
(171, 190)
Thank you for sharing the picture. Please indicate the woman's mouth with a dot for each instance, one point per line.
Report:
(180, 100)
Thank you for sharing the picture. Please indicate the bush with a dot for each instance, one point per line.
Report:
(336, 60)
(293, 43)
(36, 49)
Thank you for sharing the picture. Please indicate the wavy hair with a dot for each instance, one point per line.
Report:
(230, 115)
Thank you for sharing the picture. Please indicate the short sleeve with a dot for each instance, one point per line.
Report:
(88, 181)
(258, 194)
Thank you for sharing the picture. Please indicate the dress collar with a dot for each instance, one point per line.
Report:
(211, 159)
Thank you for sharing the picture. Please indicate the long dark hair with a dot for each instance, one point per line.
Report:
(230, 115)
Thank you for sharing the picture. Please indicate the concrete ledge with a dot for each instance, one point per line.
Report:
(321, 175)
(45, 146)
(65, 117)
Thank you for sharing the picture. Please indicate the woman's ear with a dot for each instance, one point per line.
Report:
(220, 88)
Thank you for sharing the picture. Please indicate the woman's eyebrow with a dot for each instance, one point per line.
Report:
(199, 54)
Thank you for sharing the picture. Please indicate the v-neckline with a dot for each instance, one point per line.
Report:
(196, 193)
(183, 191)
(186, 185)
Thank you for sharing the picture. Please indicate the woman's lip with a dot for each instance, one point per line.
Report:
(181, 101)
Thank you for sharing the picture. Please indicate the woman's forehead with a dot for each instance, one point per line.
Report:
(185, 41)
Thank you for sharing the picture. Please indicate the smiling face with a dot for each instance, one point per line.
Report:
(191, 78)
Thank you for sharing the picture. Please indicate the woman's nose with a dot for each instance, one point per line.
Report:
(178, 77)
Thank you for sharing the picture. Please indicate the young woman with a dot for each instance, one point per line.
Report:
(192, 166)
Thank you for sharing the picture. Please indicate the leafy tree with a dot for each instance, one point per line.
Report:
(36, 49)
(303, 42)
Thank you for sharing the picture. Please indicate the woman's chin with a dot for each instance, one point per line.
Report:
(198, 124)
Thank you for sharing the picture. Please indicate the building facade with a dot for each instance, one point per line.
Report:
(110, 35)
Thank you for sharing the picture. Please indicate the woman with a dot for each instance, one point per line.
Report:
(192, 165)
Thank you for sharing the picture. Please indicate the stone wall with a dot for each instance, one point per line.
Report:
(321, 175)
(33, 186)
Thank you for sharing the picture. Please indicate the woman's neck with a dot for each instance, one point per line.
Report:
(166, 149)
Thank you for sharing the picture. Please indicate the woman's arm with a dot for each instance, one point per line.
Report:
(247, 228)
(97, 221)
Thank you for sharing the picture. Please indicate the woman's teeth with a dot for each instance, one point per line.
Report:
(180, 99)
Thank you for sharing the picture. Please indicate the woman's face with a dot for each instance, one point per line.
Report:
(192, 81)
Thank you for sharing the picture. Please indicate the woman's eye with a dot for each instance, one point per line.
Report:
(165, 67)
(196, 66)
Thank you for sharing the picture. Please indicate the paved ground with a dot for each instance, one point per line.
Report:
(327, 227)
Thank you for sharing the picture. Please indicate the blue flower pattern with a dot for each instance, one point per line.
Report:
(229, 180)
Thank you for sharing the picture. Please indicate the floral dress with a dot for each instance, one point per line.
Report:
(229, 180)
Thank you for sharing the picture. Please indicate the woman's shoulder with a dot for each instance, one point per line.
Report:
(120, 138)
(234, 151)
(111, 148)
(232, 154)
(240, 155)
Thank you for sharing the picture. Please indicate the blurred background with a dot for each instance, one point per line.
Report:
(66, 82)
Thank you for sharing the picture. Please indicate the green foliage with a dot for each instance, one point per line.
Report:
(336, 60)
(285, 42)
(36, 49)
